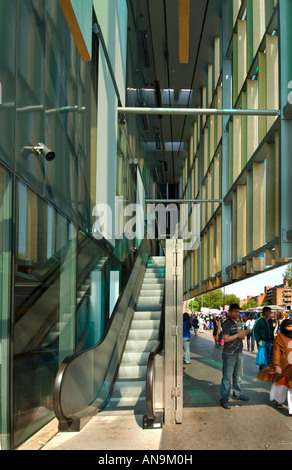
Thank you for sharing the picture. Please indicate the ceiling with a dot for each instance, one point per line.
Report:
(158, 78)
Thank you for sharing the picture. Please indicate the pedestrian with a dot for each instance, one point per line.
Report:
(201, 324)
(217, 331)
(250, 338)
(232, 357)
(279, 373)
(281, 317)
(195, 324)
(186, 337)
(263, 332)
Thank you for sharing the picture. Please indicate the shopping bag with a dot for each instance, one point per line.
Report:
(261, 359)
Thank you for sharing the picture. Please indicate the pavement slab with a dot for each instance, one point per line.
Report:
(254, 425)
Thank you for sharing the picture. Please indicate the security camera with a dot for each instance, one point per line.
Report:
(41, 148)
(122, 119)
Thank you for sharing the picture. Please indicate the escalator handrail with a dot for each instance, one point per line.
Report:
(150, 400)
(61, 416)
(48, 278)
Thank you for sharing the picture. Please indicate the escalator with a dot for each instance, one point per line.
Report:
(37, 298)
(112, 375)
(137, 364)
(53, 297)
(144, 336)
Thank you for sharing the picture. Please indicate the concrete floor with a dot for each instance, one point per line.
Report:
(256, 425)
(253, 425)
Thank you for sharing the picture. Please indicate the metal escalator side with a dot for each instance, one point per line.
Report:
(129, 394)
(154, 379)
(84, 380)
(164, 376)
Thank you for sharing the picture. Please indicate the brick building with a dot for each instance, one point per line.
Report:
(280, 295)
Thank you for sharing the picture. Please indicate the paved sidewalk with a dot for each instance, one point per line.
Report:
(253, 425)
(256, 425)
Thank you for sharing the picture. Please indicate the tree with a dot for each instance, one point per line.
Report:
(194, 305)
(230, 299)
(250, 304)
(213, 299)
(216, 299)
(288, 274)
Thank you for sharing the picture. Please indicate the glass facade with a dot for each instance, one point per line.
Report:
(5, 277)
(47, 95)
(44, 306)
(58, 285)
(61, 303)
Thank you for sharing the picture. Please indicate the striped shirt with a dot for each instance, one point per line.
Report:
(230, 327)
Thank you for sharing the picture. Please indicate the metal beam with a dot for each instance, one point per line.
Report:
(226, 102)
(178, 201)
(285, 219)
(184, 30)
(173, 338)
(199, 111)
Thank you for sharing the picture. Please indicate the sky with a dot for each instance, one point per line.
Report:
(255, 285)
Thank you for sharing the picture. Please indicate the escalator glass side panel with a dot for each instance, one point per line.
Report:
(86, 378)
(44, 307)
(61, 303)
(5, 276)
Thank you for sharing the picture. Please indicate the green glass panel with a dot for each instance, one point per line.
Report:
(44, 308)
(7, 80)
(5, 271)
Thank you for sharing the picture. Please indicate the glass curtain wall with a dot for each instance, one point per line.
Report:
(61, 303)
(55, 279)
(5, 276)
(55, 274)
(44, 307)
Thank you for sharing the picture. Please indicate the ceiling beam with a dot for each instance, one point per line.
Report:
(184, 30)
(199, 111)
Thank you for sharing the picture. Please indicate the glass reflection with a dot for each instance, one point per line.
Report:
(7, 80)
(5, 288)
(44, 307)
(63, 298)
(67, 179)
(30, 89)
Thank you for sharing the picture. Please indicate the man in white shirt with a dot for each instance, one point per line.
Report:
(201, 324)
(250, 339)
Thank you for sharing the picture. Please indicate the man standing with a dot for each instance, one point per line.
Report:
(186, 337)
(263, 331)
(233, 335)
(195, 324)
(201, 324)
(250, 337)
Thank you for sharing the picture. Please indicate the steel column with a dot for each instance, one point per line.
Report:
(173, 367)
(226, 208)
(285, 37)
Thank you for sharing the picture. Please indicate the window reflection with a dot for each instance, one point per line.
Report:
(5, 271)
(63, 299)
(44, 306)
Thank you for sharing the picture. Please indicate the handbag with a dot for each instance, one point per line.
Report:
(261, 359)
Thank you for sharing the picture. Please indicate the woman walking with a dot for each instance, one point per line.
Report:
(217, 331)
(186, 337)
(279, 373)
